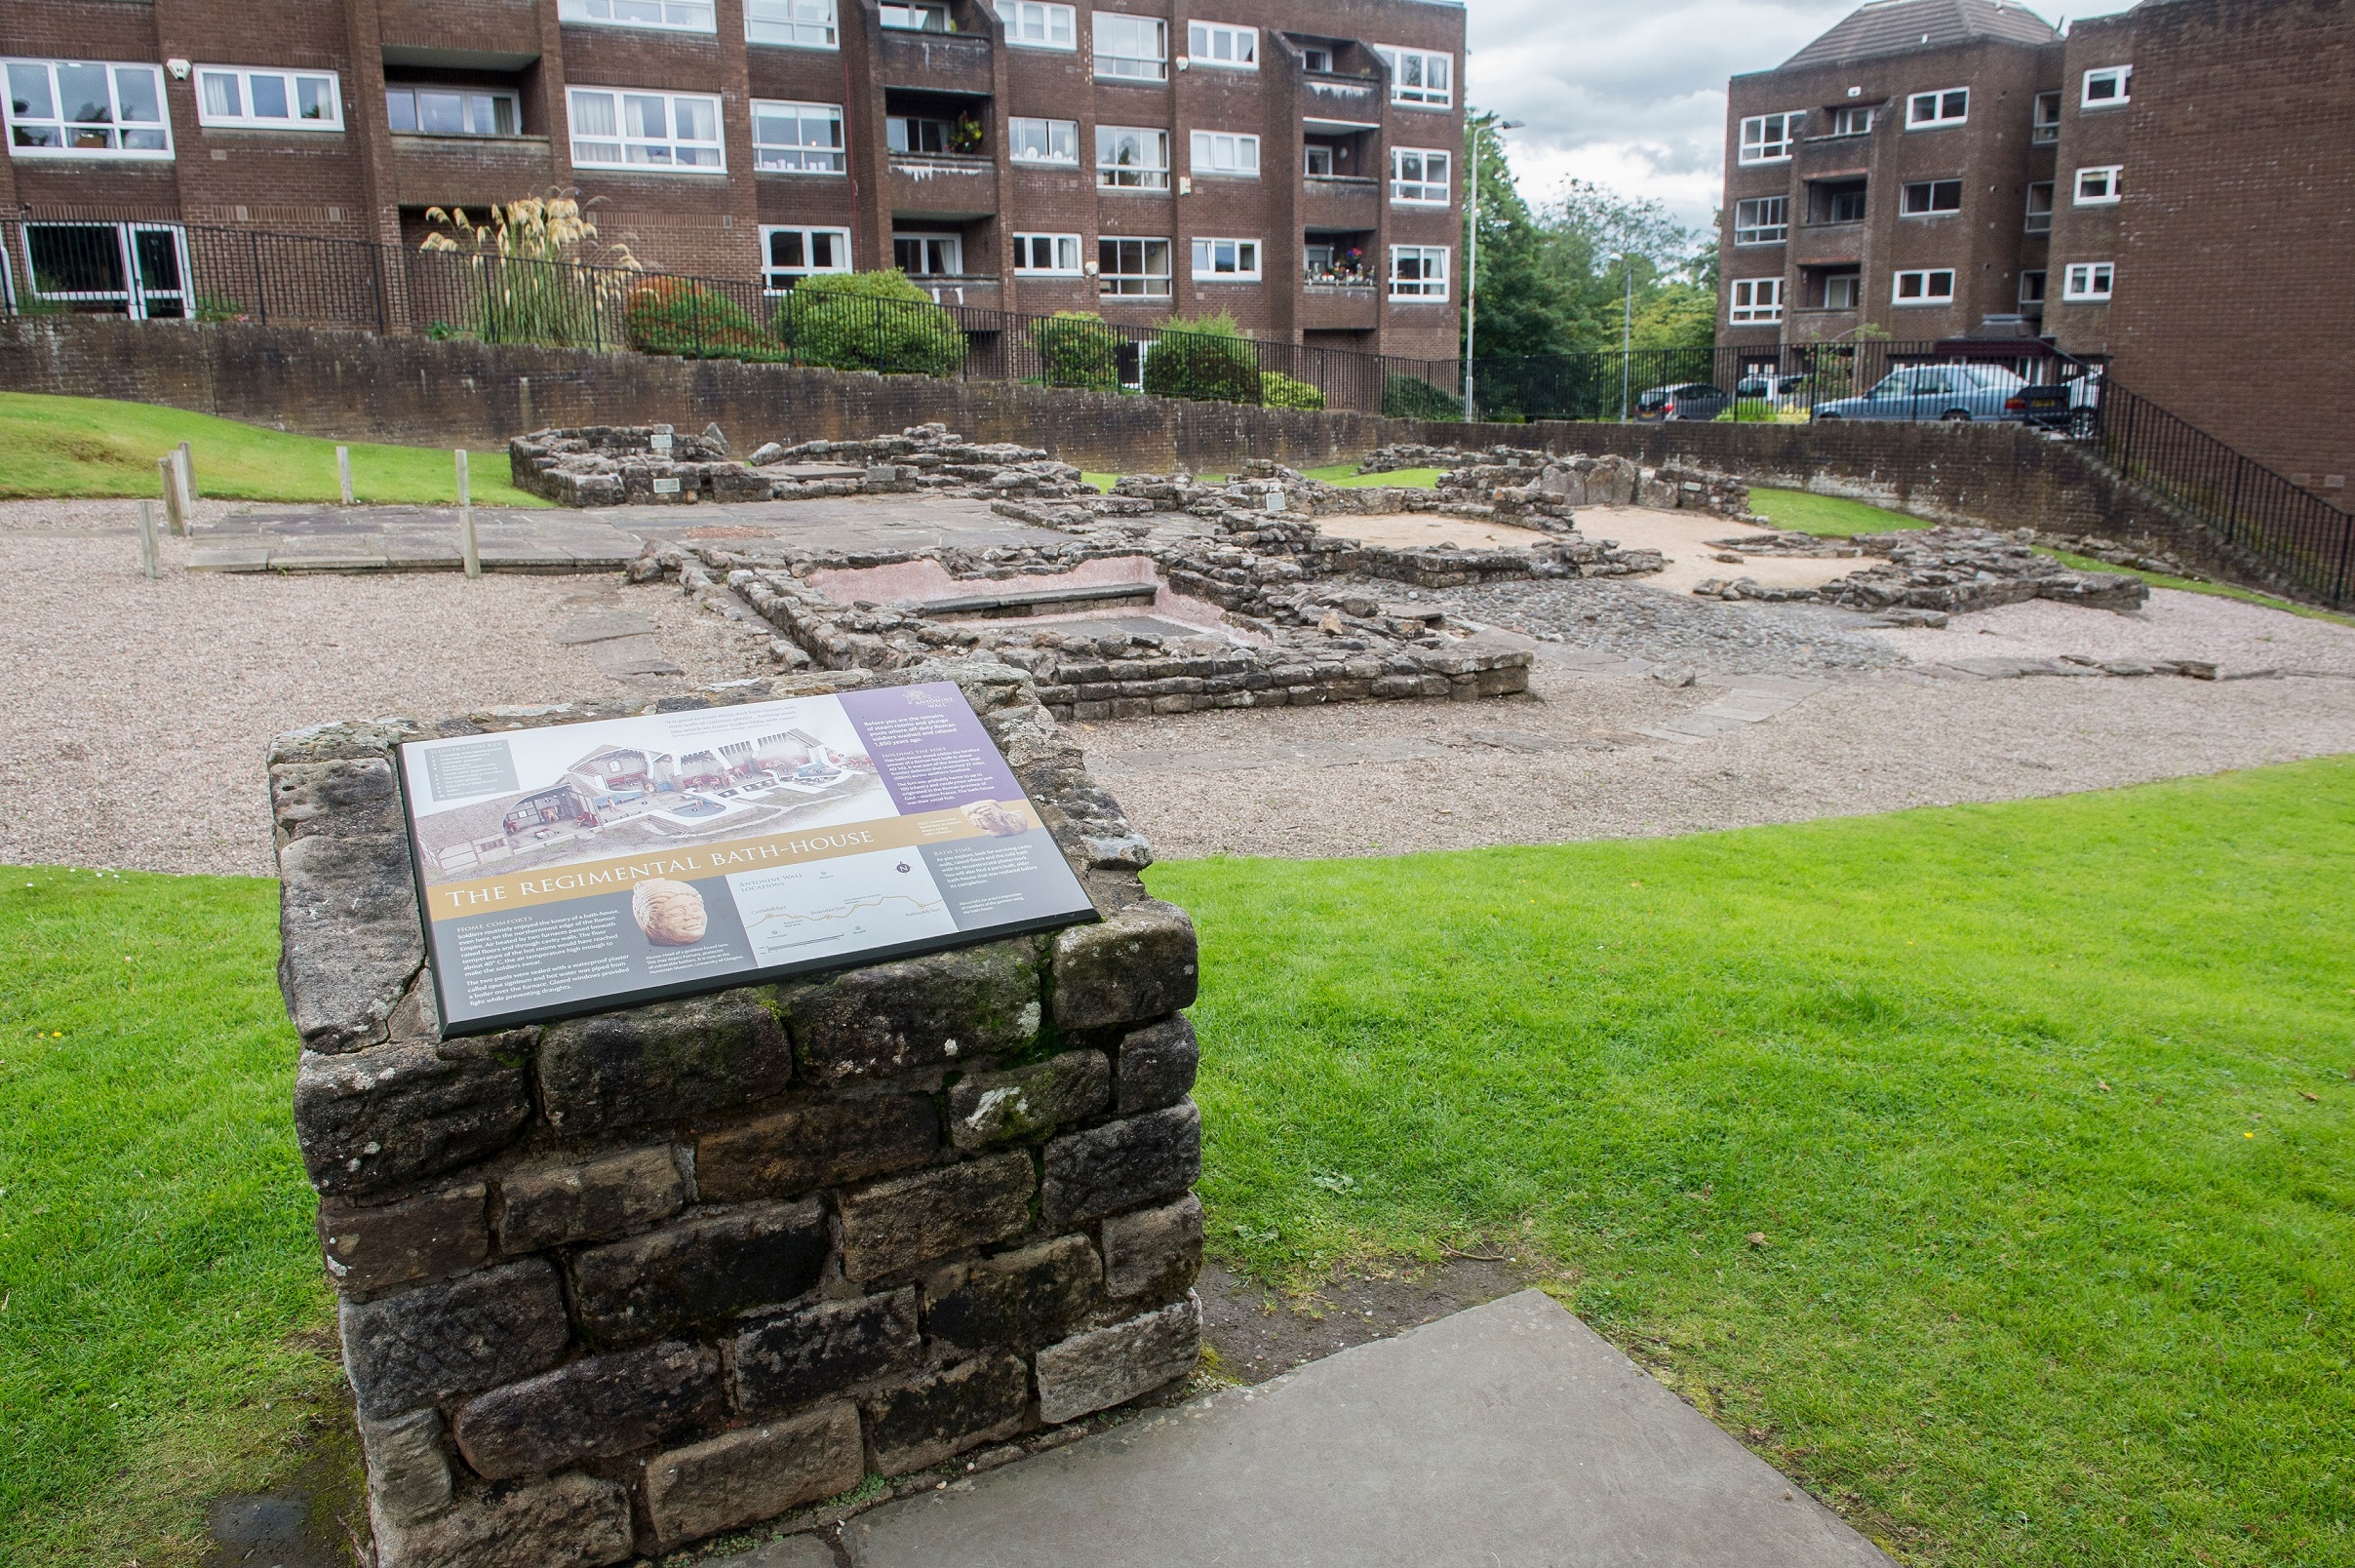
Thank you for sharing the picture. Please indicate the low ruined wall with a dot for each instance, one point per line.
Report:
(617, 1283)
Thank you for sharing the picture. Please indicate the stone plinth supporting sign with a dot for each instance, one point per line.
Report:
(613, 1284)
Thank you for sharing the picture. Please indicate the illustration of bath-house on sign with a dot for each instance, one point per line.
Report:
(612, 777)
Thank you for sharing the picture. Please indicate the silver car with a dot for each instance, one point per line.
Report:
(1956, 392)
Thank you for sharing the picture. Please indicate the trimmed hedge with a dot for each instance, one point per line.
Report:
(1077, 348)
(1408, 396)
(672, 316)
(1208, 360)
(1278, 391)
(868, 321)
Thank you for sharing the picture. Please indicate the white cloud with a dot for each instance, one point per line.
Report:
(1633, 95)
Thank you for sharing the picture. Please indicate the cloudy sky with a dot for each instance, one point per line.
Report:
(1630, 93)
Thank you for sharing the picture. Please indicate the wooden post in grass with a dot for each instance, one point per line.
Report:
(187, 467)
(147, 558)
(175, 510)
(343, 472)
(474, 556)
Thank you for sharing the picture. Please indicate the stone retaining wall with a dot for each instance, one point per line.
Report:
(618, 1283)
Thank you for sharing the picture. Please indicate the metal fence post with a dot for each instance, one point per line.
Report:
(466, 544)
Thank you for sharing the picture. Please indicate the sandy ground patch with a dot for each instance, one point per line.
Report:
(2175, 625)
(1406, 530)
(1687, 540)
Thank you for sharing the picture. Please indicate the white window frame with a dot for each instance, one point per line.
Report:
(136, 296)
(1243, 259)
(833, 160)
(1203, 39)
(114, 126)
(1110, 279)
(792, 23)
(772, 271)
(1853, 288)
(1754, 303)
(1040, 24)
(2044, 130)
(952, 245)
(1421, 95)
(1145, 176)
(1416, 189)
(2089, 282)
(1769, 221)
(920, 14)
(515, 110)
(1140, 32)
(1424, 286)
(1754, 145)
(1019, 127)
(1938, 119)
(1845, 118)
(1926, 278)
(623, 143)
(2122, 75)
(1904, 198)
(1224, 155)
(656, 16)
(2111, 188)
(290, 82)
(1064, 250)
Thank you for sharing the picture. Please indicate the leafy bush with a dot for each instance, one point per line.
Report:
(1280, 391)
(219, 307)
(868, 321)
(1077, 348)
(672, 316)
(1207, 360)
(1408, 396)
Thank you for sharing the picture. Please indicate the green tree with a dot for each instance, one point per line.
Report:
(1524, 304)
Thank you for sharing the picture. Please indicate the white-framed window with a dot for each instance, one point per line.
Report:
(1043, 141)
(673, 15)
(2031, 288)
(1926, 111)
(1843, 291)
(1225, 260)
(2044, 124)
(2106, 87)
(2088, 280)
(139, 270)
(452, 111)
(645, 133)
(1422, 76)
(1136, 267)
(789, 254)
(929, 256)
(1418, 272)
(1132, 157)
(797, 139)
(1930, 198)
(241, 97)
(1768, 138)
(1928, 285)
(922, 134)
(1419, 176)
(2101, 185)
(1852, 120)
(1216, 43)
(1225, 152)
(74, 108)
(1319, 162)
(1055, 255)
(1756, 302)
(795, 24)
(1134, 47)
(2040, 208)
(1039, 24)
(903, 18)
(1762, 221)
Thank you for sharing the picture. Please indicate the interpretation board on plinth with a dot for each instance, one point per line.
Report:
(581, 867)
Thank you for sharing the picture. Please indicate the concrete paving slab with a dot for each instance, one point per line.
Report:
(230, 557)
(631, 655)
(1506, 1436)
(351, 555)
(602, 627)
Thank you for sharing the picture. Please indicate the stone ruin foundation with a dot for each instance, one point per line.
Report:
(618, 1283)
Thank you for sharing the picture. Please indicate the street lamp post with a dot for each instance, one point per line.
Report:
(1471, 259)
(1627, 339)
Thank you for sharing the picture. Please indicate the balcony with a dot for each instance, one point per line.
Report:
(1816, 324)
(972, 292)
(1326, 307)
(945, 186)
(499, 35)
(430, 170)
(1827, 244)
(1336, 105)
(1337, 202)
(934, 62)
(1835, 157)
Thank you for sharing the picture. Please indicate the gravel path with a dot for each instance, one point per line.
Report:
(2229, 633)
(1632, 620)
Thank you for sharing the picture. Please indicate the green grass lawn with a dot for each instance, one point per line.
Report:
(1827, 516)
(94, 447)
(1345, 475)
(2057, 1252)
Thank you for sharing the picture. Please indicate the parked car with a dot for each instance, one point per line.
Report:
(1690, 400)
(1776, 384)
(1933, 392)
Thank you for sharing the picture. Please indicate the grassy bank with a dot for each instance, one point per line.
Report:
(94, 447)
(1827, 516)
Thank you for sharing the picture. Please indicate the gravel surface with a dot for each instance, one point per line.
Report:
(1631, 619)
(2176, 625)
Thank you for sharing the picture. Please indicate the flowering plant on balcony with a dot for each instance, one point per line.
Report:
(1346, 271)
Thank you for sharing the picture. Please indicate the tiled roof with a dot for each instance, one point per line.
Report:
(1894, 27)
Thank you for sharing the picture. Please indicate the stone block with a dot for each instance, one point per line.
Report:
(1109, 1367)
(370, 1119)
(820, 1145)
(592, 1408)
(958, 1006)
(1028, 1102)
(947, 1411)
(430, 1343)
(700, 1270)
(1139, 962)
(551, 1205)
(753, 1473)
(663, 1063)
(1156, 1066)
(348, 932)
(421, 1237)
(897, 1224)
(408, 1467)
(804, 1355)
(1024, 1298)
(1121, 1164)
(1156, 1251)
(349, 797)
(566, 1521)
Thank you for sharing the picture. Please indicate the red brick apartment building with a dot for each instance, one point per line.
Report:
(2171, 190)
(1297, 164)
